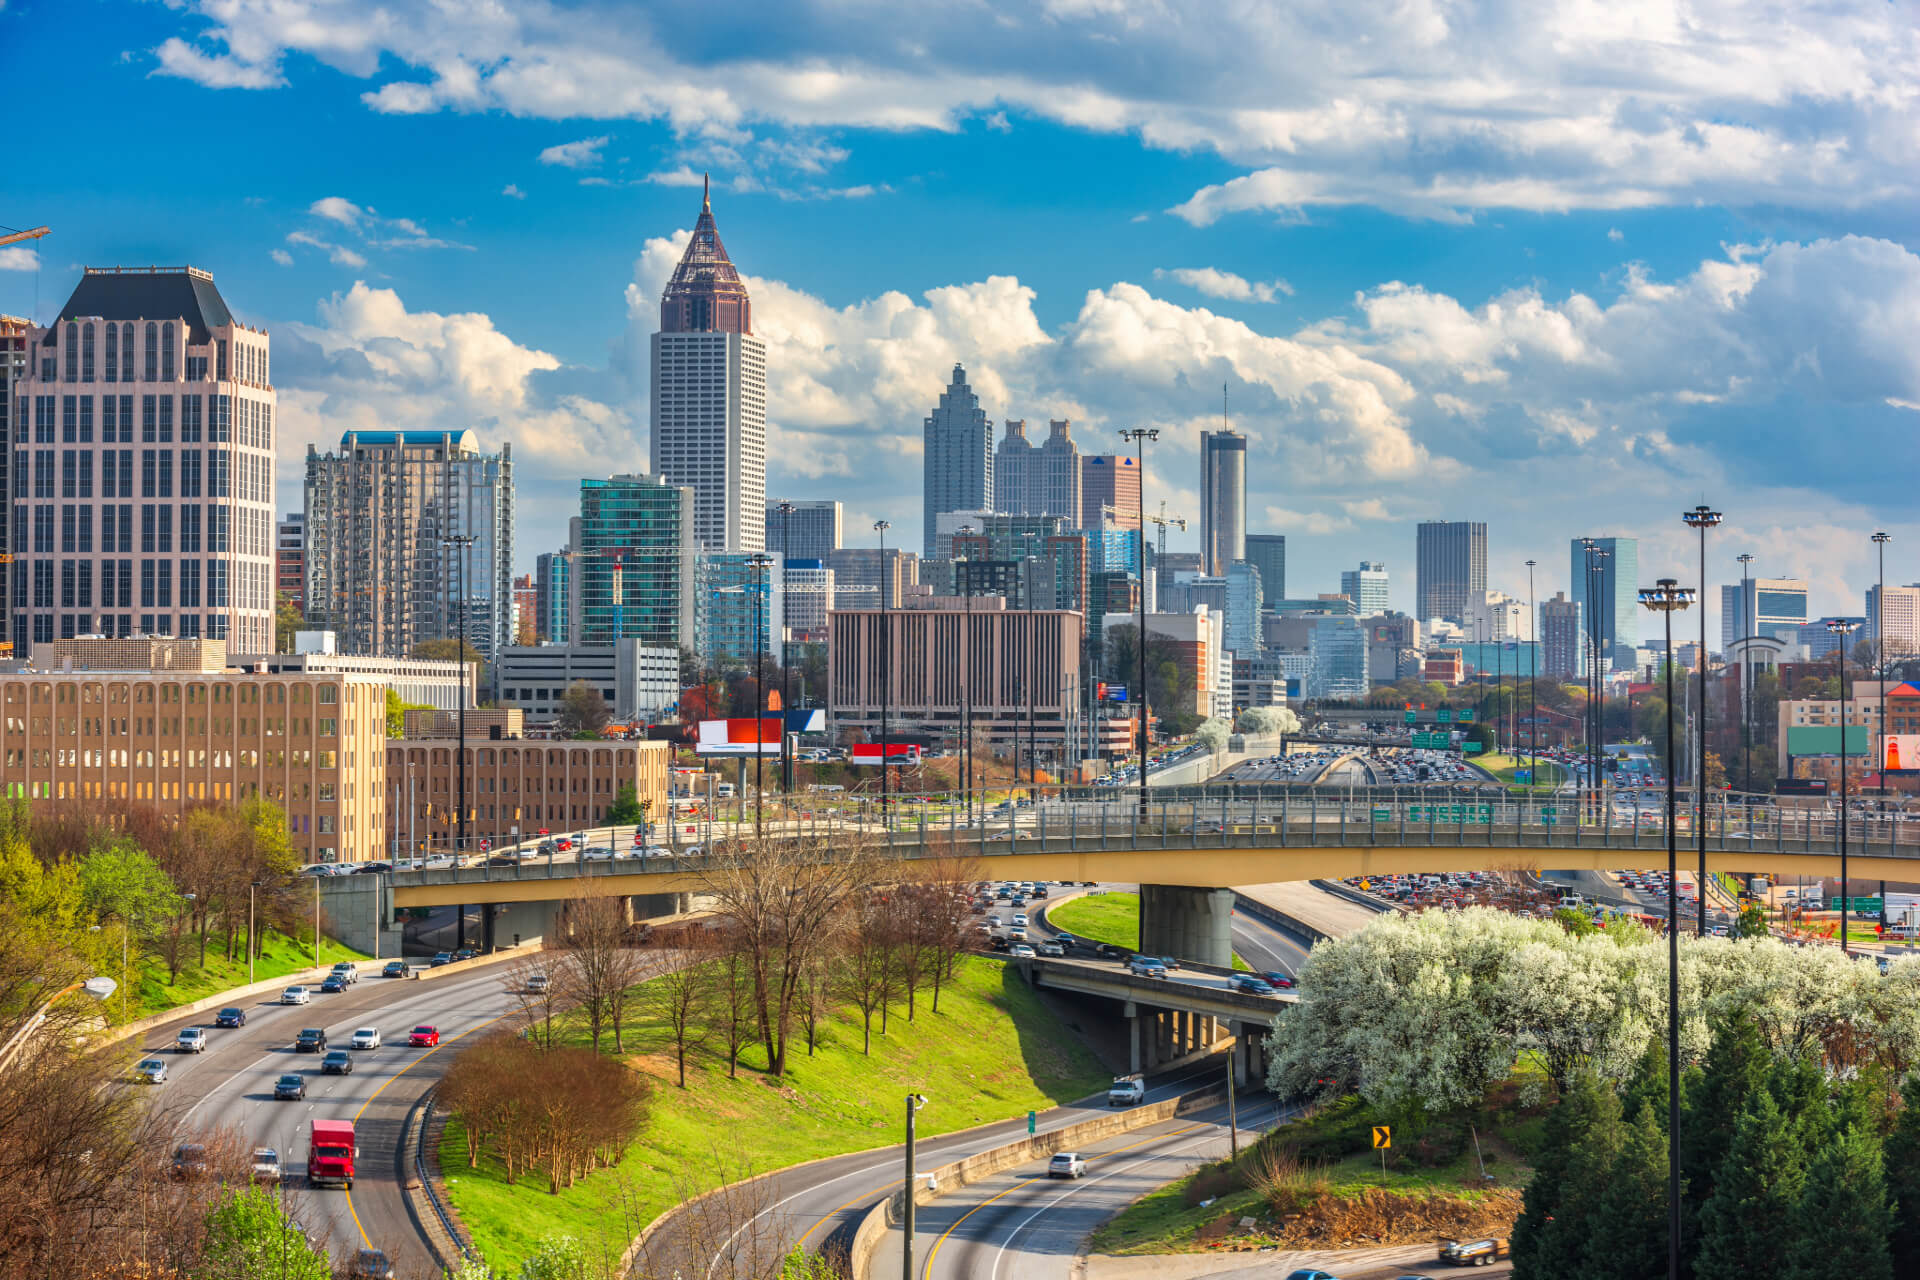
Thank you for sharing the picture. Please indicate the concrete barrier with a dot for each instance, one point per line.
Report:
(948, 1178)
(1279, 919)
(1358, 897)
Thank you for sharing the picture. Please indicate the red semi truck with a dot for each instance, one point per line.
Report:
(330, 1154)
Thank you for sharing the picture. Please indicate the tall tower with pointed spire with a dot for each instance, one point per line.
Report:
(957, 462)
(710, 394)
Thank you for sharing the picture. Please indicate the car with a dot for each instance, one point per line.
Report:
(266, 1166)
(348, 971)
(440, 958)
(291, 1087)
(598, 853)
(1310, 1273)
(333, 985)
(1066, 940)
(230, 1017)
(1170, 962)
(1052, 949)
(190, 1040)
(310, 1040)
(537, 982)
(1000, 942)
(369, 1264)
(150, 1071)
(1067, 1164)
(1020, 920)
(337, 1063)
(424, 1036)
(1126, 1092)
(394, 969)
(993, 922)
(366, 1038)
(1022, 950)
(465, 953)
(1275, 978)
(1146, 967)
(190, 1162)
(1250, 985)
(296, 995)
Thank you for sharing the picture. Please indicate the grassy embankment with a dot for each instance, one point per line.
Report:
(1107, 917)
(992, 1052)
(1318, 1183)
(280, 955)
(1547, 777)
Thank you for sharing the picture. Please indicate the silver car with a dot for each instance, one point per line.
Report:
(190, 1040)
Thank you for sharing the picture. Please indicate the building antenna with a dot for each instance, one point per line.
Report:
(1223, 406)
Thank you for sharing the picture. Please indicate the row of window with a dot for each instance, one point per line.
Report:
(111, 349)
(215, 479)
(116, 585)
(219, 419)
(33, 529)
(191, 626)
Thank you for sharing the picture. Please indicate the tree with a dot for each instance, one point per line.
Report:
(1752, 922)
(1213, 733)
(1552, 1237)
(583, 712)
(1265, 722)
(864, 974)
(1903, 1184)
(602, 962)
(627, 809)
(1745, 1223)
(1630, 1224)
(679, 997)
(249, 1235)
(1843, 1212)
(287, 619)
(559, 1257)
(397, 714)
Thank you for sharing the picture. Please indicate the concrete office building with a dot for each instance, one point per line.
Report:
(638, 681)
(1563, 645)
(710, 395)
(1267, 552)
(632, 569)
(1198, 644)
(1223, 500)
(515, 789)
(1001, 661)
(811, 531)
(424, 682)
(1038, 481)
(1613, 612)
(956, 462)
(1109, 491)
(383, 571)
(1771, 607)
(948, 525)
(1366, 587)
(1900, 631)
(1450, 569)
(146, 364)
(552, 575)
(13, 368)
(290, 559)
(167, 723)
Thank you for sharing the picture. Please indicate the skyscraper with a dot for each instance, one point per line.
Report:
(290, 558)
(1563, 648)
(1450, 569)
(191, 382)
(811, 531)
(1042, 481)
(1267, 552)
(1243, 609)
(1013, 470)
(383, 571)
(551, 591)
(1109, 480)
(633, 575)
(13, 367)
(1366, 587)
(956, 462)
(1774, 607)
(1613, 612)
(1223, 500)
(710, 395)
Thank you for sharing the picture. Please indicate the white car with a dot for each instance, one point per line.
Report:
(366, 1038)
(296, 995)
(1021, 949)
(266, 1166)
(1020, 919)
(1067, 1164)
(190, 1040)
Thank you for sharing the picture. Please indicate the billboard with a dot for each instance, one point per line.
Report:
(897, 753)
(738, 737)
(1899, 751)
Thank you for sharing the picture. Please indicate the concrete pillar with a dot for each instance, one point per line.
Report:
(1133, 1040)
(1192, 924)
(1239, 1056)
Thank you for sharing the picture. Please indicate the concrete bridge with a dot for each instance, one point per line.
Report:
(1186, 853)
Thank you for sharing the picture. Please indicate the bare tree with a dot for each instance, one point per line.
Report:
(603, 961)
(865, 968)
(727, 1227)
(680, 996)
(733, 996)
(947, 893)
(536, 992)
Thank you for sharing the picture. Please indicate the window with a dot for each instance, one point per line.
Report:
(165, 535)
(113, 353)
(86, 474)
(126, 525)
(43, 415)
(189, 473)
(189, 575)
(219, 473)
(196, 368)
(69, 472)
(189, 528)
(166, 352)
(126, 419)
(149, 469)
(218, 530)
(43, 528)
(220, 360)
(189, 419)
(69, 418)
(126, 352)
(166, 474)
(149, 414)
(86, 352)
(166, 419)
(86, 418)
(153, 352)
(165, 586)
(146, 530)
(73, 352)
(85, 541)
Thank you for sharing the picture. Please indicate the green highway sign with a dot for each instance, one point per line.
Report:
(1382, 814)
(1465, 716)
(1412, 715)
(1443, 716)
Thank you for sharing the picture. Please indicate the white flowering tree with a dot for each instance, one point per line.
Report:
(1213, 733)
(1265, 722)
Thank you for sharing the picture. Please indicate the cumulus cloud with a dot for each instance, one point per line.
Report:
(584, 154)
(1216, 283)
(282, 257)
(512, 190)
(374, 231)
(19, 258)
(337, 209)
(1428, 110)
(338, 254)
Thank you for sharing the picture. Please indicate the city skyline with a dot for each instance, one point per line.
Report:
(1383, 369)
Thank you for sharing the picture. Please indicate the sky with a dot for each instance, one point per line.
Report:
(1566, 269)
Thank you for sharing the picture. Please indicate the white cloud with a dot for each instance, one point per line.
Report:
(337, 209)
(1616, 235)
(1224, 284)
(512, 190)
(376, 231)
(282, 257)
(19, 258)
(583, 154)
(1430, 110)
(998, 122)
(338, 254)
(680, 177)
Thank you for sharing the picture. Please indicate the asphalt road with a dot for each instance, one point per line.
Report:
(230, 1086)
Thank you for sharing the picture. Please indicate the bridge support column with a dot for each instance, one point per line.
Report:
(1191, 924)
(1133, 1039)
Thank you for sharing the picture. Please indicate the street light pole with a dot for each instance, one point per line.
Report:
(1880, 541)
(966, 685)
(1842, 628)
(786, 510)
(1702, 518)
(1665, 598)
(1533, 704)
(915, 1101)
(1743, 634)
(1141, 437)
(762, 563)
(461, 541)
(886, 672)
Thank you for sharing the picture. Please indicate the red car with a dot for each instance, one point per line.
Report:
(424, 1037)
(563, 844)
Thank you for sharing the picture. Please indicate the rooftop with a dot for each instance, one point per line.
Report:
(150, 293)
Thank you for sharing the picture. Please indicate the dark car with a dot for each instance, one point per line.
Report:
(1000, 942)
(190, 1161)
(1112, 952)
(394, 969)
(440, 958)
(337, 1063)
(370, 1264)
(310, 1040)
(1278, 979)
(465, 953)
(230, 1018)
(291, 1087)
(1250, 985)
(333, 985)
(1066, 940)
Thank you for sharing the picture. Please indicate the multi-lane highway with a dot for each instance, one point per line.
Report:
(230, 1087)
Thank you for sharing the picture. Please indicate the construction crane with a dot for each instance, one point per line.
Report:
(10, 237)
(1163, 520)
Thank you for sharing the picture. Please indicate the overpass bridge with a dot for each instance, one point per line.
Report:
(1188, 853)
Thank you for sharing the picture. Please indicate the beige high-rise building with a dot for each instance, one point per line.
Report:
(165, 722)
(143, 445)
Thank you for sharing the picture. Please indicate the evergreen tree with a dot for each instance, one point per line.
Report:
(1903, 1185)
(1736, 1067)
(1745, 1226)
(1842, 1220)
(1627, 1233)
(1559, 1217)
(1647, 1086)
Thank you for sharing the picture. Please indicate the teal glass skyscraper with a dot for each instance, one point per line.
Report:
(633, 563)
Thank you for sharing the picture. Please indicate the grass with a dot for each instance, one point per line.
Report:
(1431, 1158)
(280, 955)
(992, 1052)
(1107, 917)
(1547, 778)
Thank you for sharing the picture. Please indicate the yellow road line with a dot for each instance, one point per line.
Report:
(836, 1211)
(926, 1272)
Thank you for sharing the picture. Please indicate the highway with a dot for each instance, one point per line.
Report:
(230, 1086)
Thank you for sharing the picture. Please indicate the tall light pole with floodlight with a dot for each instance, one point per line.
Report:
(786, 510)
(1140, 438)
(1702, 518)
(1880, 541)
(1842, 628)
(1743, 634)
(886, 670)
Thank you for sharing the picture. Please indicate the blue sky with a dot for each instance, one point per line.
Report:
(1568, 274)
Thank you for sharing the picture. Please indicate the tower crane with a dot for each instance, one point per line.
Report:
(1163, 520)
(11, 237)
